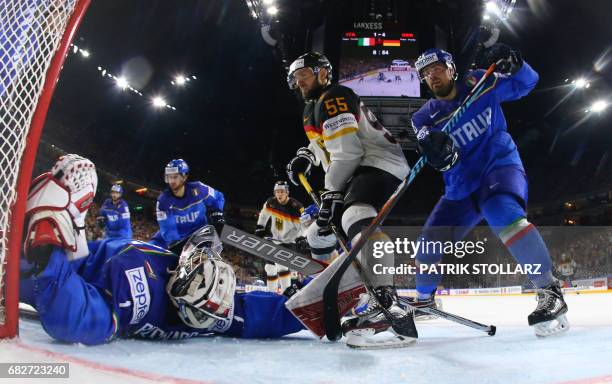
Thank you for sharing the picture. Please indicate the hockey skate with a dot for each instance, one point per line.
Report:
(370, 320)
(549, 316)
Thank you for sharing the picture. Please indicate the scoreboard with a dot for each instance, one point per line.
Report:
(379, 63)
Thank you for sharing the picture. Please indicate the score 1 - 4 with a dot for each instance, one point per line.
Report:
(380, 52)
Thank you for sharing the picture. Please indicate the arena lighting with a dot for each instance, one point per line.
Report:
(84, 53)
(492, 7)
(122, 82)
(268, 2)
(580, 83)
(180, 80)
(599, 106)
(272, 10)
(159, 102)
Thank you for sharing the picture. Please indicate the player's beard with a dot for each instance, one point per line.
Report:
(311, 94)
(444, 91)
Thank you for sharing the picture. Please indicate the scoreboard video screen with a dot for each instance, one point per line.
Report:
(379, 63)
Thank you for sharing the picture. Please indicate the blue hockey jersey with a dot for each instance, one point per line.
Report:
(178, 217)
(481, 133)
(120, 291)
(117, 218)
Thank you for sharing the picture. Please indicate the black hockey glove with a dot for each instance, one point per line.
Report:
(301, 245)
(101, 220)
(331, 208)
(260, 231)
(301, 163)
(511, 61)
(439, 149)
(217, 219)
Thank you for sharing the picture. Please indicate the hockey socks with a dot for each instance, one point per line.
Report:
(525, 243)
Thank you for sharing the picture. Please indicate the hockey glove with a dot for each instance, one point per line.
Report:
(260, 231)
(511, 61)
(101, 220)
(301, 163)
(301, 244)
(217, 219)
(331, 208)
(439, 149)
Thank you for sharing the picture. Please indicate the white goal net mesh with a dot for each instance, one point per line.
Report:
(30, 34)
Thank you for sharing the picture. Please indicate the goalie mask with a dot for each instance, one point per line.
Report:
(57, 204)
(202, 286)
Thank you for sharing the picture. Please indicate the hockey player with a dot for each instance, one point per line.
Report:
(185, 206)
(129, 288)
(363, 165)
(284, 212)
(483, 173)
(114, 215)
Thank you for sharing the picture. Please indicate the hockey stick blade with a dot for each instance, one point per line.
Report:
(270, 251)
(333, 328)
(489, 329)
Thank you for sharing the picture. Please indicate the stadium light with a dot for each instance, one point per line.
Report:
(272, 10)
(599, 106)
(180, 80)
(122, 82)
(159, 102)
(580, 83)
(491, 7)
(84, 53)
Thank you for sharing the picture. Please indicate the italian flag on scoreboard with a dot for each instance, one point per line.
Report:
(366, 42)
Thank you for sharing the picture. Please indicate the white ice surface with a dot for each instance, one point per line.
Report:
(445, 352)
(371, 86)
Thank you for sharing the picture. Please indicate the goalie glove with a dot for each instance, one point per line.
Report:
(57, 206)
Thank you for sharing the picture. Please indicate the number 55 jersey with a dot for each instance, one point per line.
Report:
(344, 134)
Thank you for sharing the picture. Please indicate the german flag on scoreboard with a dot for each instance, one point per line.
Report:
(391, 43)
(366, 41)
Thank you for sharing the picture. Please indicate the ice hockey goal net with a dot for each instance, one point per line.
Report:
(35, 36)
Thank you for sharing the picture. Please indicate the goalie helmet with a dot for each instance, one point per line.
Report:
(176, 166)
(313, 60)
(202, 286)
(435, 55)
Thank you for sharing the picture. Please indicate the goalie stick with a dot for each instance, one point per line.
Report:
(333, 328)
(395, 322)
(270, 251)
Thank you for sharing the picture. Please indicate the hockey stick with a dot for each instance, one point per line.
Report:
(397, 323)
(270, 251)
(330, 293)
(489, 329)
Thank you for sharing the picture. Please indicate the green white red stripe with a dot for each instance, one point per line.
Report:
(515, 231)
(366, 41)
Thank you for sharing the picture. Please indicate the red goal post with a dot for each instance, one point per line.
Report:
(35, 37)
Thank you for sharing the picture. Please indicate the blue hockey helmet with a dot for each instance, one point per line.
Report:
(434, 55)
(176, 166)
(117, 188)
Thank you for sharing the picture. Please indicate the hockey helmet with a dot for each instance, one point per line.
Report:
(117, 188)
(176, 166)
(434, 55)
(314, 60)
(282, 185)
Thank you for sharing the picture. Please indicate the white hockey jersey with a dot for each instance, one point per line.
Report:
(344, 134)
